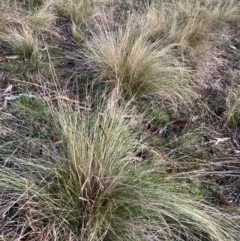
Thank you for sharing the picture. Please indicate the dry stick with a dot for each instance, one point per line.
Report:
(101, 126)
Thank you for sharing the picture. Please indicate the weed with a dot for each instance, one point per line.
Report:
(76, 10)
(98, 193)
(42, 18)
(125, 60)
(188, 24)
(25, 44)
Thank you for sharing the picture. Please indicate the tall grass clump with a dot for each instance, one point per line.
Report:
(126, 60)
(94, 188)
(182, 23)
(23, 42)
(189, 24)
(77, 12)
(42, 18)
(8, 16)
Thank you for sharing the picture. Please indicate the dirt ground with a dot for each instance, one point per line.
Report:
(219, 76)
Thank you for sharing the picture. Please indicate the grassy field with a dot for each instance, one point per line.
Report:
(119, 120)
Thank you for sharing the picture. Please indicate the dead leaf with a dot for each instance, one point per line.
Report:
(180, 122)
(223, 200)
(1, 59)
(174, 170)
(55, 139)
(8, 89)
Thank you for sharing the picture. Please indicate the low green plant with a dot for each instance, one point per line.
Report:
(155, 111)
(32, 109)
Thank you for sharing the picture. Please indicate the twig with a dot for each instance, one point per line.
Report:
(101, 126)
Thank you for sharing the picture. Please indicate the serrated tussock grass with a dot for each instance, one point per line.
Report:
(93, 188)
(23, 42)
(76, 10)
(126, 60)
(42, 18)
(189, 24)
(91, 184)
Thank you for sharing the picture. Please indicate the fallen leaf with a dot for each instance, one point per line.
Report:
(222, 200)
(174, 170)
(1, 59)
(54, 139)
(8, 89)
(180, 122)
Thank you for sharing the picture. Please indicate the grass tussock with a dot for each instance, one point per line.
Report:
(125, 60)
(9, 16)
(76, 10)
(93, 189)
(43, 18)
(189, 24)
(24, 43)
